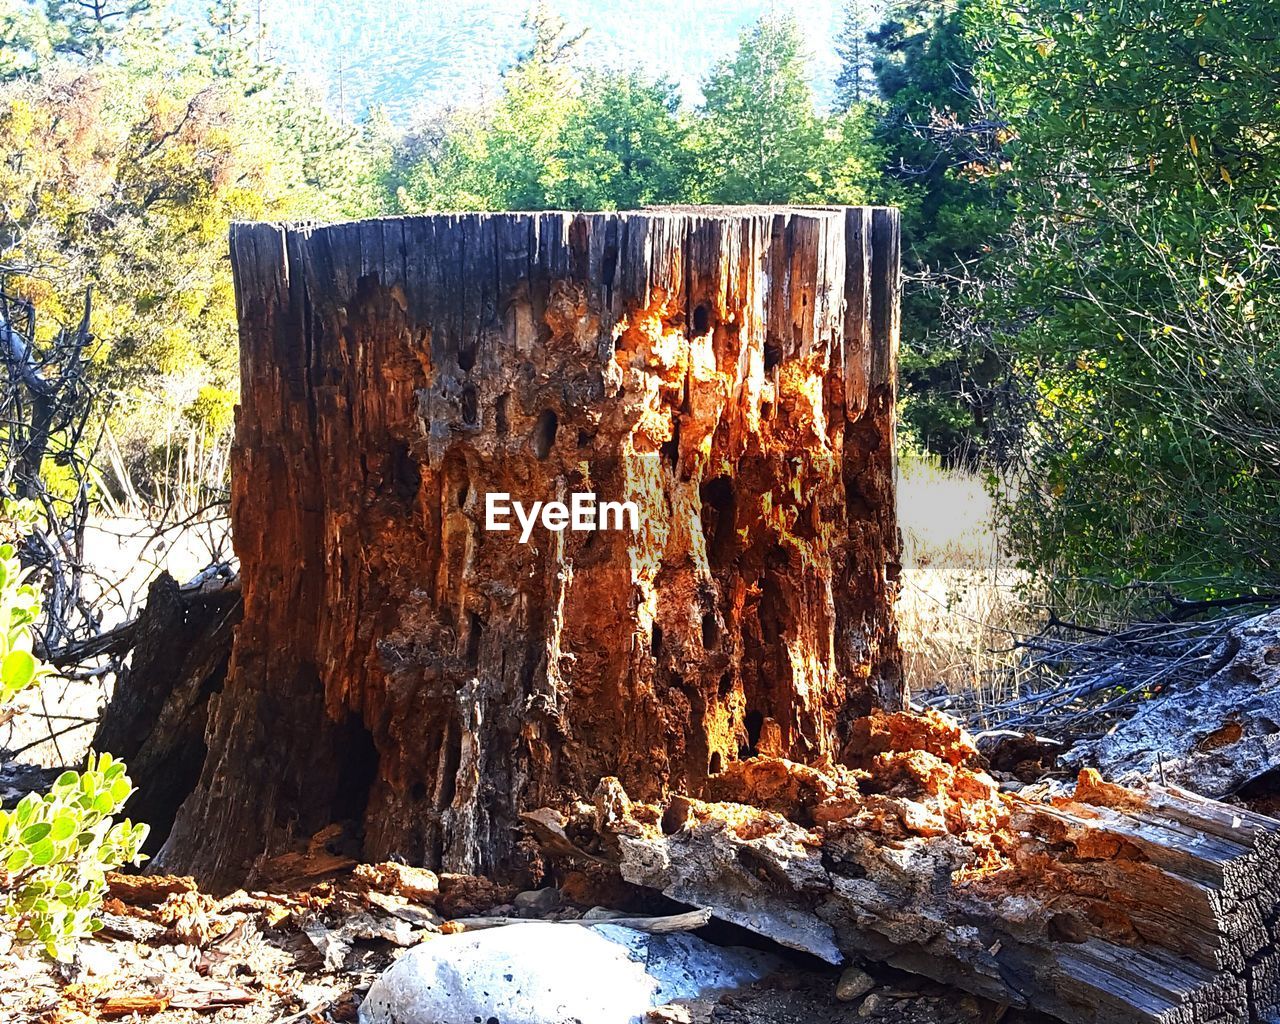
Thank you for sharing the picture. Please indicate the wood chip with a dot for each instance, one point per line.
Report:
(144, 1004)
(144, 889)
(419, 917)
(416, 884)
(136, 929)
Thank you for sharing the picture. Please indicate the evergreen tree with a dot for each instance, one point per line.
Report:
(856, 81)
(953, 207)
(232, 42)
(89, 28)
(629, 146)
(761, 129)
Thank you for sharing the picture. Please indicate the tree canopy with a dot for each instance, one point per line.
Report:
(1089, 222)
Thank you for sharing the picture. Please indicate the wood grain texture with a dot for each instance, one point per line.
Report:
(1113, 907)
(729, 370)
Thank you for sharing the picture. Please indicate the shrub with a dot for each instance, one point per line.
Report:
(55, 848)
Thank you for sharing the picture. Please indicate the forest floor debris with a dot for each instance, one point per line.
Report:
(171, 954)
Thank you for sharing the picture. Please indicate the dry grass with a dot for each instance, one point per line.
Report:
(961, 599)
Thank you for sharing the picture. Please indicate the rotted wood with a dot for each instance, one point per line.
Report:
(1110, 906)
(731, 371)
(159, 710)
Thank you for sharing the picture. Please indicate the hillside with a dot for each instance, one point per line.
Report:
(431, 53)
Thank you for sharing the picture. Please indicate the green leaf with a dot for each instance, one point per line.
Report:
(64, 827)
(42, 853)
(18, 860)
(33, 834)
(18, 670)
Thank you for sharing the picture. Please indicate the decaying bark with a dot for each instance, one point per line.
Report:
(1112, 907)
(1219, 737)
(731, 371)
(157, 716)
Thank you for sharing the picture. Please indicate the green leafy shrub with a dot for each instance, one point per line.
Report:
(55, 851)
(55, 848)
(1137, 302)
(19, 605)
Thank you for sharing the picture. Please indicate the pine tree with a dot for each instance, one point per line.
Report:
(855, 82)
(89, 28)
(762, 130)
(552, 43)
(232, 43)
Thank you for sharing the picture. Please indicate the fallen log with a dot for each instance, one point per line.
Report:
(1219, 735)
(1113, 906)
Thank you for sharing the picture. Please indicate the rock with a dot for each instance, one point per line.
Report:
(873, 1005)
(470, 895)
(671, 1013)
(98, 960)
(537, 902)
(542, 972)
(853, 984)
(602, 914)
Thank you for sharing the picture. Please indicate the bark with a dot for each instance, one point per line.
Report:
(731, 371)
(156, 719)
(1219, 737)
(1112, 907)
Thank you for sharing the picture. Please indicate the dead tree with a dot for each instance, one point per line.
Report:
(156, 720)
(401, 666)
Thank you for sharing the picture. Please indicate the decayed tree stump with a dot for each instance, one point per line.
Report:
(730, 371)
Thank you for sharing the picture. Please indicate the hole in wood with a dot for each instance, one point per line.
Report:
(403, 473)
(470, 410)
(726, 684)
(772, 355)
(676, 816)
(755, 724)
(356, 770)
(718, 514)
(710, 630)
(451, 760)
(701, 318)
(670, 450)
(544, 433)
(500, 414)
(715, 765)
(655, 641)
(475, 631)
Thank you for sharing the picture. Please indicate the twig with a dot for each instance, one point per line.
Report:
(687, 922)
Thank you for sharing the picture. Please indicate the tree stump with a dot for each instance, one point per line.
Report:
(730, 372)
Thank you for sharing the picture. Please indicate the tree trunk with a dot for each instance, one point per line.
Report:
(401, 666)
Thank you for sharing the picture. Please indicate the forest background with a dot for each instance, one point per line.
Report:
(1089, 196)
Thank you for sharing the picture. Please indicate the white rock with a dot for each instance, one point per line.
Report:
(545, 973)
